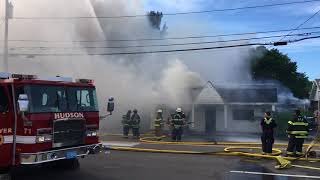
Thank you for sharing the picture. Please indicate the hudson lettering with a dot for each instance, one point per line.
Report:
(68, 115)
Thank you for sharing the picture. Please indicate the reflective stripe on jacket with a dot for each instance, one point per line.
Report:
(158, 122)
(178, 120)
(298, 127)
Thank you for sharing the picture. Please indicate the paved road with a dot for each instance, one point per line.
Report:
(153, 166)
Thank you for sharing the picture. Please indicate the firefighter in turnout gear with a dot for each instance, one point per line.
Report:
(298, 130)
(135, 120)
(158, 124)
(177, 123)
(126, 122)
(267, 125)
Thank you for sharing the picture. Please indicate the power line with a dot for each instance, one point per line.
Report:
(142, 52)
(165, 38)
(300, 25)
(302, 39)
(167, 51)
(170, 14)
(166, 45)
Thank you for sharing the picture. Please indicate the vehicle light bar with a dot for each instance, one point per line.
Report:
(4, 75)
(57, 79)
(87, 81)
(24, 76)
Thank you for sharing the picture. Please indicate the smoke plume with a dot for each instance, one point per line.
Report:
(136, 81)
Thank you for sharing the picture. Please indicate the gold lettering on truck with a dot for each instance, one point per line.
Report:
(1, 139)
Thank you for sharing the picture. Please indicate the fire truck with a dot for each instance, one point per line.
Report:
(48, 120)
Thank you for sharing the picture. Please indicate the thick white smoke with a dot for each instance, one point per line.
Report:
(136, 81)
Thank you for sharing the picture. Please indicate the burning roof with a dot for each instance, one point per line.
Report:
(249, 93)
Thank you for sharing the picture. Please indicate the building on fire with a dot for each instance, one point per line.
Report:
(315, 95)
(230, 108)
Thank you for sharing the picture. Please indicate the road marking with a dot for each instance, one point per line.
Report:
(275, 174)
(119, 143)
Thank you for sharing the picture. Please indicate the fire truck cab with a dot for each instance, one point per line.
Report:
(47, 120)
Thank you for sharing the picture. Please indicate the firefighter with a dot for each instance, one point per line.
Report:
(267, 124)
(135, 120)
(158, 124)
(177, 123)
(298, 130)
(126, 122)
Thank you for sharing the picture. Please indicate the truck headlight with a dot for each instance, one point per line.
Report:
(43, 138)
(92, 133)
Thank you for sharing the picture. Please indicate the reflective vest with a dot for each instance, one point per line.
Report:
(268, 121)
(268, 124)
(299, 127)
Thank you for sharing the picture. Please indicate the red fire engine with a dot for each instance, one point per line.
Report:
(47, 120)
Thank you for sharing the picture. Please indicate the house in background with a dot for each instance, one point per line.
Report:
(233, 108)
(315, 95)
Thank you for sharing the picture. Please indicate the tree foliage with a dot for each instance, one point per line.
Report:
(155, 19)
(272, 64)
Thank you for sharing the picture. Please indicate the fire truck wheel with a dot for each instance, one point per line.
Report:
(71, 164)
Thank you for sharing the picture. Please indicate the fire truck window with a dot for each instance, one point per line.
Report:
(44, 99)
(4, 102)
(47, 98)
(82, 99)
(61, 99)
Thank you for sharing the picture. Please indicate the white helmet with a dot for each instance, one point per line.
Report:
(179, 110)
(159, 111)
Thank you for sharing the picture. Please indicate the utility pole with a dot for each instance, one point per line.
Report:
(8, 14)
(318, 111)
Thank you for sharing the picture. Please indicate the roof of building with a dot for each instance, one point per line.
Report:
(249, 95)
(211, 94)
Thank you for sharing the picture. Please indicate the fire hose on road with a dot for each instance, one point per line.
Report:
(230, 149)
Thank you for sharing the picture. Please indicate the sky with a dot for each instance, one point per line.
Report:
(306, 53)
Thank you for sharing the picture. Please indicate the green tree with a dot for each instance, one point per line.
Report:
(155, 19)
(272, 64)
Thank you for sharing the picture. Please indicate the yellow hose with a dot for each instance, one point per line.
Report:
(228, 151)
(147, 140)
(275, 152)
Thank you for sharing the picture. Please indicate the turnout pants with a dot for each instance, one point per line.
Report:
(176, 134)
(267, 141)
(136, 132)
(295, 145)
(158, 131)
(126, 130)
